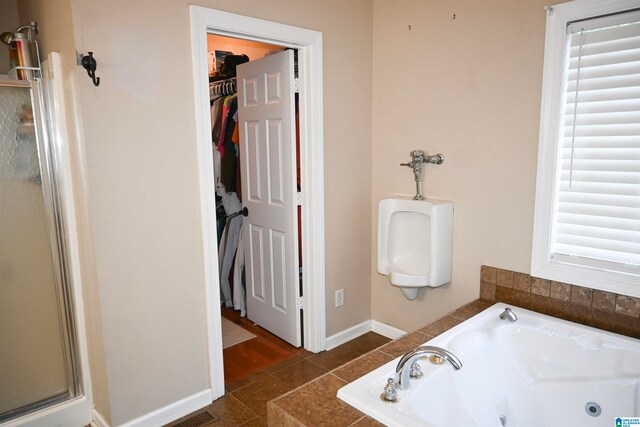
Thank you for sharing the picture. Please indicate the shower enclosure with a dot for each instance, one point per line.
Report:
(39, 364)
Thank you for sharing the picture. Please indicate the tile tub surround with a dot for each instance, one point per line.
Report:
(600, 309)
(316, 404)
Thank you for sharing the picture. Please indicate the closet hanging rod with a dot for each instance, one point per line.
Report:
(224, 80)
(243, 212)
(223, 87)
(221, 82)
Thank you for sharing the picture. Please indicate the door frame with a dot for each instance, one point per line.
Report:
(309, 45)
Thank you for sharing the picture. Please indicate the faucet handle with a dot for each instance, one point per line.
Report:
(436, 159)
(390, 393)
(415, 373)
(409, 164)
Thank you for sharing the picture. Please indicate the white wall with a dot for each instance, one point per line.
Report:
(468, 87)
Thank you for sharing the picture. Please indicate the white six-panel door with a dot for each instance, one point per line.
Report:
(268, 173)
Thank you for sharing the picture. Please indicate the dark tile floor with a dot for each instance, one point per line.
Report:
(245, 403)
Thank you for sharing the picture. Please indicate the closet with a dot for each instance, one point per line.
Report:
(255, 145)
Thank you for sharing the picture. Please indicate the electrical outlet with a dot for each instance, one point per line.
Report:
(339, 297)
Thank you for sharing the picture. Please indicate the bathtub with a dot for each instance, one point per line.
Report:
(538, 371)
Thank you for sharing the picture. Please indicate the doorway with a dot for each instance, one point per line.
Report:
(309, 45)
(254, 146)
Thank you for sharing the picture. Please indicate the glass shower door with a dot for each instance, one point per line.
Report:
(37, 354)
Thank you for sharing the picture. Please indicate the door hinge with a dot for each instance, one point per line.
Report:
(300, 303)
(296, 85)
(298, 199)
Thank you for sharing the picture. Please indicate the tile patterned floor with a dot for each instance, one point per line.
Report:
(245, 403)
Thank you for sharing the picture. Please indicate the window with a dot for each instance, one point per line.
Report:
(587, 212)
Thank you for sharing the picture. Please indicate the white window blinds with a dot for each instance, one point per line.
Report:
(597, 199)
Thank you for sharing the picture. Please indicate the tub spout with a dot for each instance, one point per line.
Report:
(508, 315)
(404, 365)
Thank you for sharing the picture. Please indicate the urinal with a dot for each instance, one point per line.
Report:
(415, 243)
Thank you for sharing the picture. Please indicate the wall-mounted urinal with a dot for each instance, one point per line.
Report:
(415, 243)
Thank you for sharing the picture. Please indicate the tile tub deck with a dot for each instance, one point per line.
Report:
(316, 404)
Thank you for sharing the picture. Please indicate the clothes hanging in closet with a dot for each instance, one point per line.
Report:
(224, 136)
(231, 255)
(228, 149)
(216, 125)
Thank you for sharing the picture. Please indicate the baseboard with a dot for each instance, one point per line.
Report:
(386, 330)
(172, 411)
(360, 329)
(98, 420)
(348, 334)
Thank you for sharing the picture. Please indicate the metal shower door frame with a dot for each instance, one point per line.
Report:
(49, 161)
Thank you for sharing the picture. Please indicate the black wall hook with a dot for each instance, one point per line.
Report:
(89, 63)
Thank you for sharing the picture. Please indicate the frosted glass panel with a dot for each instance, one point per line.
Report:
(32, 354)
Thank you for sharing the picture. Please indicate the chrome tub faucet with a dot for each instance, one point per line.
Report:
(407, 367)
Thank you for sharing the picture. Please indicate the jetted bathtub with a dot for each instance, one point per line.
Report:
(537, 371)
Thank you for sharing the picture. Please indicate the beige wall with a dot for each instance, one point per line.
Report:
(9, 21)
(468, 87)
(139, 128)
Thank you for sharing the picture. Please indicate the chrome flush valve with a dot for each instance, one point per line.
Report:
(418, 157)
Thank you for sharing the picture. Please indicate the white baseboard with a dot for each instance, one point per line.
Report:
(172, 411)
(98, 420)
(348, 334)
(386, 330)
(360, 329)
(199, 400)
